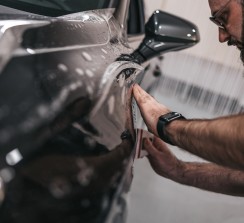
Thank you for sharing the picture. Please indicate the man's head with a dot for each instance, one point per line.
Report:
(228, 15)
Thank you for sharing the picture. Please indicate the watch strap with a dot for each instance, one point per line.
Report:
(163, 121)
(161, 134)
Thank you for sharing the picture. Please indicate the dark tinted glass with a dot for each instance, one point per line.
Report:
(58, 7)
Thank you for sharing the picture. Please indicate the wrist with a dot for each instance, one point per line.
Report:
(172, 130)
(179, 171)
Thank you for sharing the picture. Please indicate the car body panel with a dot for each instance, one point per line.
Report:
(53, 71)
(65, 99)
(61, 145)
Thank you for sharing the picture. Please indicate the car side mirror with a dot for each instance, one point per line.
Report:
(164, 33)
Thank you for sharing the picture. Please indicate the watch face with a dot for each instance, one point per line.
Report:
(171, 116)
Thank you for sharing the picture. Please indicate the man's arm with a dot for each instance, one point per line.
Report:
(211, 177)
(218, 140)
(206, 176)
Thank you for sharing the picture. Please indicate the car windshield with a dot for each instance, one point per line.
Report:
(58, 7)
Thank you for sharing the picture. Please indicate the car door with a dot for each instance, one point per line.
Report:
(65, 94)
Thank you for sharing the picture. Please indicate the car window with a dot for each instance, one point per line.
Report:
(136, 17)
(58, 7)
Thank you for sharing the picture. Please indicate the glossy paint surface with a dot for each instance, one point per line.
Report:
(65, 100)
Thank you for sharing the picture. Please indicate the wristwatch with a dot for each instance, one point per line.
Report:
(163, 121)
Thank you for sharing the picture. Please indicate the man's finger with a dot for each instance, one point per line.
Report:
(160, 145)
(158, 142)
(148, 146)
(164, 151)
(140, 95)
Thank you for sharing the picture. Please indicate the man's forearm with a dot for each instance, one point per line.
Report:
(213, 178)
(218, 140)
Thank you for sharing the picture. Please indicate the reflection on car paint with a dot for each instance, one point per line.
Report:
(79, 71)
(11, 34)
(89, 73)
(63, 67)
(86, 56)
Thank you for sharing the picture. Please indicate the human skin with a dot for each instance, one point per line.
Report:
(206, 176)
(218, 140)
(231, 17)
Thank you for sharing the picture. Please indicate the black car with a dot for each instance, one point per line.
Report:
(67, 139)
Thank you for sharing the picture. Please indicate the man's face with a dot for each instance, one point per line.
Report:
(228, 14)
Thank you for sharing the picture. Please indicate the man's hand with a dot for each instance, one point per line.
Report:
(162, 160)
(150, 109)
(206, 176)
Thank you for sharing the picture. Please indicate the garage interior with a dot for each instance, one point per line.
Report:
(208, 68)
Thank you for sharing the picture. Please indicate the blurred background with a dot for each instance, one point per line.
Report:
(205, 81)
